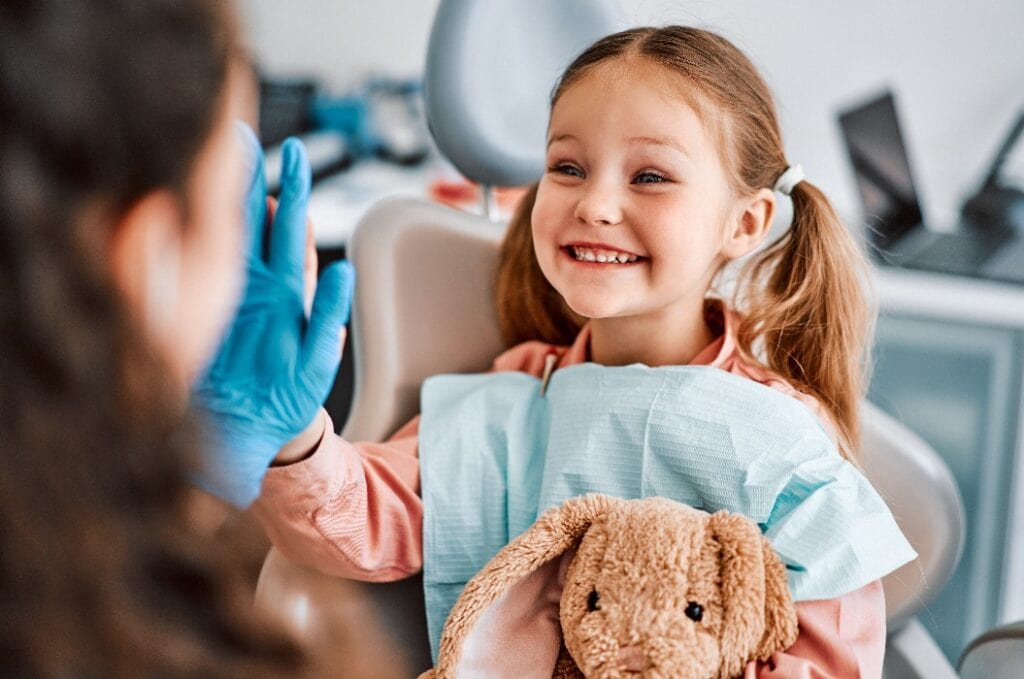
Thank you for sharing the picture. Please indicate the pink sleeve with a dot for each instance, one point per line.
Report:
(354, 509)
(351, 510)
(842, 638)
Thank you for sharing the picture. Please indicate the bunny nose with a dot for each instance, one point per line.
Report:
(632, 658)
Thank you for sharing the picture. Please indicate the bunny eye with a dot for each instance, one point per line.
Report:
(694, 611)
(592, 600)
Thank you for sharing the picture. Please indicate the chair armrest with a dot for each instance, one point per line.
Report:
(911, 653)
(996, 654)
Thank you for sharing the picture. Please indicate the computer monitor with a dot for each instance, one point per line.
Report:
(879, 158)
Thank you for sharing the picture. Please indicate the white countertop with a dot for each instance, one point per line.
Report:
(953, 298)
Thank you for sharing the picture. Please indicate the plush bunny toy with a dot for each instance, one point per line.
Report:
(642, 588)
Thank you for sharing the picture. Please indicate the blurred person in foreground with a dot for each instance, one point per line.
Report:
(122, 264)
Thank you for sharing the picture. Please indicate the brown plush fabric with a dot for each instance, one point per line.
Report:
(639, 568)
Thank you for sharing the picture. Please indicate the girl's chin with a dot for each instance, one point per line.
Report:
(594, 309)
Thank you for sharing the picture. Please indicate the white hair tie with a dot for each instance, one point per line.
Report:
(793, 175)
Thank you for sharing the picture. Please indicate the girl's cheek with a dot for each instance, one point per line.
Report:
(549, 207)
(538, 220)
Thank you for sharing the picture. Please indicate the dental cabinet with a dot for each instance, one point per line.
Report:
(949, 363)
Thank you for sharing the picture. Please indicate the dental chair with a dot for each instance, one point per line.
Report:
(996, 654)
(424, 305)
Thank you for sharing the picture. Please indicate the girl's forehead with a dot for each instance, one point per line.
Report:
(631, 97)
(627, 75)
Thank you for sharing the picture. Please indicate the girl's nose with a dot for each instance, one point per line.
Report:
(598, 207)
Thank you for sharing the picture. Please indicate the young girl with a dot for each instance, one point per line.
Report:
(663, 152)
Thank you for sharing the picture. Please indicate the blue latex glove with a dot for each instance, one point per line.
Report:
(275, 368)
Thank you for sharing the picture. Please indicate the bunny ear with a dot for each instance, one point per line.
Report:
(498, 625)
(741, 560)
(780, 623)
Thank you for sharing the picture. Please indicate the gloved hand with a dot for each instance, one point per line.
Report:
(275, 368)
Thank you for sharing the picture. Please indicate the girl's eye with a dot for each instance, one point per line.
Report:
(567, 169)
(648, 177)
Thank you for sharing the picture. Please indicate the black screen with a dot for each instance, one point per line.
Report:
(879, 158)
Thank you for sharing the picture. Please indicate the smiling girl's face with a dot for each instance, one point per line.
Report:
(633, 211)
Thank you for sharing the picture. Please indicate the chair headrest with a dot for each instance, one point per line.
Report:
(491, 66)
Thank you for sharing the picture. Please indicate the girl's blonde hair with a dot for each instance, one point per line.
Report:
(805, 313)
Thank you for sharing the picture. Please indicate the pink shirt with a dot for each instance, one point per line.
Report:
(354, 510)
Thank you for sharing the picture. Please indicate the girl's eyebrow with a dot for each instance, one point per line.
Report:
(561, 137)
(668, 142)
(660, 141)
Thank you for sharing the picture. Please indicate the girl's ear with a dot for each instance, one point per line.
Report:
(751, 220)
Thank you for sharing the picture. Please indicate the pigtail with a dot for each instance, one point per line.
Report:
(528, 307)
(807, 311)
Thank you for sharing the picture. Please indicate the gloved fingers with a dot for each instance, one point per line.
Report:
(310, 259)
(321, 348)
(256, 194)
(288, 229)
(254, 337)
(309, 268)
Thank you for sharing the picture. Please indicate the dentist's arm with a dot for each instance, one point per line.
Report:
(275, 368)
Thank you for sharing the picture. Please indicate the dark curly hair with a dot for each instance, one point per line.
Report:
(101, 102)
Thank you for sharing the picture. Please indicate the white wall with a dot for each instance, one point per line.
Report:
(340, 41)
(957, 68)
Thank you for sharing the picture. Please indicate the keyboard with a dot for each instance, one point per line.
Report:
(958, 253)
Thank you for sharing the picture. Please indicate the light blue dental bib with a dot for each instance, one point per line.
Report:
(495, 453)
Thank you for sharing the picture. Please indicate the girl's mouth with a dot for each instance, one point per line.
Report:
(600, 255)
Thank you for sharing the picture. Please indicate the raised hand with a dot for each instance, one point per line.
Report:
(275, 367)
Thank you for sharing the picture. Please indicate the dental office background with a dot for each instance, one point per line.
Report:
(957, 70)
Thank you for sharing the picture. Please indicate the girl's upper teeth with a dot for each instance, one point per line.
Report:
(605, 256)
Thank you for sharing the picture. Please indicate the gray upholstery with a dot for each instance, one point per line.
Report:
(491, 65)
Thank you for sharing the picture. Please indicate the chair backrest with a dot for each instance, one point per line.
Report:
(429, 308)
(490, 68)
(423, 305)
